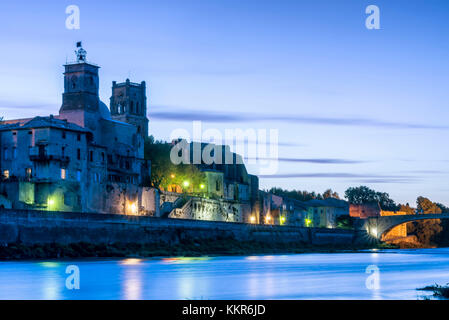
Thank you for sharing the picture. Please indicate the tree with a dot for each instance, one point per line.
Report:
(426, 231)
(330, 194)
(443, 208)
(365, 195)
(165, 173)
(303, 195)
(407, 209)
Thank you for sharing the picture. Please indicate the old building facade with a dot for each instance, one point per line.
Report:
(82, 159)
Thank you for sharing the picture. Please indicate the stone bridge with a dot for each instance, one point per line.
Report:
(377, 226)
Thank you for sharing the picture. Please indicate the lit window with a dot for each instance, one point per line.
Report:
(6, 174)
(28, 172)
(63, 174)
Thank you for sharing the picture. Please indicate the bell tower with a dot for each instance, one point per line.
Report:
(80, 100)
(80, 84)
(129, 104)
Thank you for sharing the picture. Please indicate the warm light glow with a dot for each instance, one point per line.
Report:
(131, 261)
(50, 202)
(282, 219)
(308, 222)
(202, 186)
(267, 219)
(63, 174)
(252, 219)
(172, 176)
(133, 207)
(186, 183)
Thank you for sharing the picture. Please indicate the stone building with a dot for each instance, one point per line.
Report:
(365, 211)
(324, 213)
(229, 193)
(82, 159)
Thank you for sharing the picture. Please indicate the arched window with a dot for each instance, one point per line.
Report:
(131, 105)
(73, 80)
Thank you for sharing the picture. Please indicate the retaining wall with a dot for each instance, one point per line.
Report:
(31, 227)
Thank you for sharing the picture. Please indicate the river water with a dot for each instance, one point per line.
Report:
(301, 276)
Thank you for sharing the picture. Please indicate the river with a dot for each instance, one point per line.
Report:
(300, 276)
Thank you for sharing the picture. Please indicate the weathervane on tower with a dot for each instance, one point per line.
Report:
(80, 53)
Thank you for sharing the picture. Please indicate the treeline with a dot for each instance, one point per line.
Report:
(304, 195)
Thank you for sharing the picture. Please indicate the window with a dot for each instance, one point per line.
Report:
(28, 173)
(131, 106)
(5, 154)
(217, 185)
(74, 79)
(78, 154)
(6, 174)
(63, 135)
(14, 153)
(78, 175)
(63, 151)
(63, 173)
(78, 137)
(102, 157)
(91, 156)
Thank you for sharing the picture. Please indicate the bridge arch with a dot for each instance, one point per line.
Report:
(378, 226)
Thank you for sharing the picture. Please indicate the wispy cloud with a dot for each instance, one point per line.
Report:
(314, 161)
(360, 178)
(214, 117)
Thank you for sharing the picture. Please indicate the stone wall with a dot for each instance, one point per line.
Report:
(31, 227)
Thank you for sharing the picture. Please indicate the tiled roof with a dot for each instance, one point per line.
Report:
(44, 122)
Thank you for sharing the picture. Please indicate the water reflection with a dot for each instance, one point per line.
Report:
(305, 276)
(132, 279)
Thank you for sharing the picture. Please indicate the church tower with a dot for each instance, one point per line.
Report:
(129, 104)
(80, 84)
(80, 100)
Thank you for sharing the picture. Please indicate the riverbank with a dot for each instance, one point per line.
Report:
(223, 247)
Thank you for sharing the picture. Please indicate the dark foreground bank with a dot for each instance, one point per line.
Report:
(18, 251)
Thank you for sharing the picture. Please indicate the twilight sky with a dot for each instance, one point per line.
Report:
(353, 106)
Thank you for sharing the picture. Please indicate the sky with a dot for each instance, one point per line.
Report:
(351, 106)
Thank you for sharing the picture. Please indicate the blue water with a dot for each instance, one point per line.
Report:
(304, 276)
